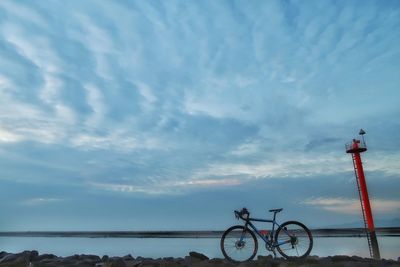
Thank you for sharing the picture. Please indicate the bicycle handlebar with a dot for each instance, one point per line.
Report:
(237, 214)
(244, 214)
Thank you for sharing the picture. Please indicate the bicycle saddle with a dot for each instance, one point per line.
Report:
(276, 210)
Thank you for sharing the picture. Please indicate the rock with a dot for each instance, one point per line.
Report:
(168, 264)
(357, 258)
(3, 254)
(264, 258)
(91, 258)
(206, 264)
(82, 259)
(16, 260)
(188, 261)
(340, 258)
(385, 262)
(133, 263)
(15, 264)
(47, 263)
(325, 261)
(127, 257)
(148, 262)
(179, 261)
(168, 259)
(143, 259)
(87, 260)
(44, 256)
(312, 260)
(71, 258)
(197, 255)
(217, 261)
(194, 259)
(118, 263)
(32, 254)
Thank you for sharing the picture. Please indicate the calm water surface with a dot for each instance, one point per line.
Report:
(180, 247)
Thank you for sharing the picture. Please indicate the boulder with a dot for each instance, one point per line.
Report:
(3, 253)
(128, 257)
(43, 256)
(8, 257)
(117, 263)
(133, 263)
(16, 260)
(264, 258)
(341, 258)
(197, 255)
(167, 264)
(147, 262)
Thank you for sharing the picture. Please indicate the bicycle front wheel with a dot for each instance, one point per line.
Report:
(293, 240)
(239, 244)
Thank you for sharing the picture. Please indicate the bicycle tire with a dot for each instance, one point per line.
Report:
(231, 247)
(297, 232)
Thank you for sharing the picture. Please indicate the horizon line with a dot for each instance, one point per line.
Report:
(318, 232)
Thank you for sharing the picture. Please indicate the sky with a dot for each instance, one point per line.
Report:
(168, 115)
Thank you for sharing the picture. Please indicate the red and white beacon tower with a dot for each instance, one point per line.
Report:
(355, 148)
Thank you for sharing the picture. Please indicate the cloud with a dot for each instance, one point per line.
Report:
(384, 162)
(170, 187)
(99, 50)
(8, 136)
(40, 201)
(352, 206)
(24, 13)
(126, 188)
(224, 95)
(95, 100)
(119, 141)
(248, 148)
(285, 165)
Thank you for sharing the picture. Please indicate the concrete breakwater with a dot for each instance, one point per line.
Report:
(336, 232)
(194, 259)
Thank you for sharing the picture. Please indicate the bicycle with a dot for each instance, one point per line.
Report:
(292, 239)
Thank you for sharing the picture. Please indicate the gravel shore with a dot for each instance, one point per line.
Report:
(195, 259)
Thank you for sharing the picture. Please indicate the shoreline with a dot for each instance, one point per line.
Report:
(195, 259)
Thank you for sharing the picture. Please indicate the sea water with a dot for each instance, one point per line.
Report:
(180, 247)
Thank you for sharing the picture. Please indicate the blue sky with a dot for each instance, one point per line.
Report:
(148, 115)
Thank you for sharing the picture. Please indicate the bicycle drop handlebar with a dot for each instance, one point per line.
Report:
(244, 214)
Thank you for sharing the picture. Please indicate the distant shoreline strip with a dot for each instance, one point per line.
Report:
(340, 232)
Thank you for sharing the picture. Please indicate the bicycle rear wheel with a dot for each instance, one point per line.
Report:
(294, 240)
(239, 244)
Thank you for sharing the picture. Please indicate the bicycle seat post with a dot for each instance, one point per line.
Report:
(275, 214)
